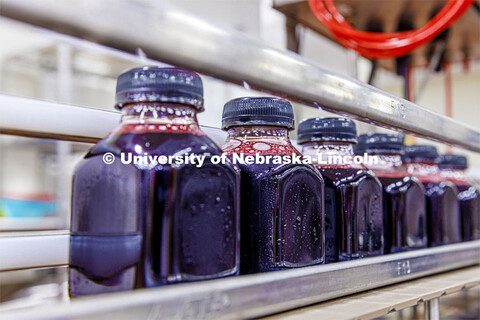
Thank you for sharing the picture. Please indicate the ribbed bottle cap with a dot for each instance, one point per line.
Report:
(453, 161)
(421, 153)
(327, 129)
(258, 111)
(380, 143)
(156, 84)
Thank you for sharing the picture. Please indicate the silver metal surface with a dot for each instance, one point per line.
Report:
(432, 309)
(179, 39)
(43, 119)
(25, 250)
(260, 294)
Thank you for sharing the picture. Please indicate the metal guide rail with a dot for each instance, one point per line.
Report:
(33, 118)
(175, 38)
(261, 294)
(33, 249)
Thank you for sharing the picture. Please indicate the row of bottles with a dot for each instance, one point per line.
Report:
(143, 225)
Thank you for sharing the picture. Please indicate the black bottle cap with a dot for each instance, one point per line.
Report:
(453, 161)
(421, 153)
(156, 84)
(380, 143)
(258, 111)
(327, 129)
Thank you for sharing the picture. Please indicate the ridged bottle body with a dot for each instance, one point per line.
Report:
(353, 206)
(469, 199)
(282, 218)
(142, 225)
(404, 205)
(443, 210)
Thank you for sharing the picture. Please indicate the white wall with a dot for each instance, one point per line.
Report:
(465, 98)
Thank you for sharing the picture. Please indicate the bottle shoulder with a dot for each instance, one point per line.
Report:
(270, 171)
(389, 171)
(348, 175)
(471, 193)
(441, 188)
(405, 185)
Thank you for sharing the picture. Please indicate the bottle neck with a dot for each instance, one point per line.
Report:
(327, 148)
(259, 139)
(160, 117)
(389, 159)
(272, 134)
(456, 175)
(322, 154)
(425, 163)
(426, 170)
(158, 113)
(454, 170)
(387, 165)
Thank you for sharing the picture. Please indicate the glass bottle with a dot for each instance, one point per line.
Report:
(353, 195)
(404, 205)
(443, 210)
(282, 220)
(452, 168)
(140, 223)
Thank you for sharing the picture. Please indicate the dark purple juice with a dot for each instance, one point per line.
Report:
(282, 217)
(469, 199)
(134, 227)
(405, 219)
(443, 213)
(353, 195)
(443, 210)
(404, 204)
(353, 214)
(453, 168)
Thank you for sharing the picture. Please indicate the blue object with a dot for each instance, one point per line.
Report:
(20, 208)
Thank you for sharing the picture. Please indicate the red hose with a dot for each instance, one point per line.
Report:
(377, 45)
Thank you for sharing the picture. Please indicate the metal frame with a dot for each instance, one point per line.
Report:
(432, 309)
(257, 295)
(33, 118)
(173, 37)
(25, 250)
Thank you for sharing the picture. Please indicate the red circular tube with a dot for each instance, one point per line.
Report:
(386, 45)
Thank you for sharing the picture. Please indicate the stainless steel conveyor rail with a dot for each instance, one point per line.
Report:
(175, 38)
(33, 249)
(252, 296)
(33, 118)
